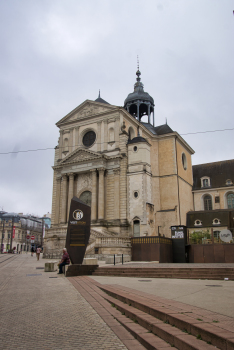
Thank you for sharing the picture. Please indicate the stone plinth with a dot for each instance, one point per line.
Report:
(51, 266)
(79, 270)
(90, 261)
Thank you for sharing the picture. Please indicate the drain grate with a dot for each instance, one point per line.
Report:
(213, 285)
(34, 274)
(53, 277)
(39, 268)
(144, 280)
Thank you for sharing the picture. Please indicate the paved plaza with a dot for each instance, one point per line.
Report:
(47, 311)
(44, 311)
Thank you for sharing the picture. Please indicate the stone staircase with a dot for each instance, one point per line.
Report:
(214, 273)
(155, 322)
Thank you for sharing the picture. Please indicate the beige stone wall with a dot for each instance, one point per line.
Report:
(166, 156)
(186, 200)
(221, 192)
(187, 174)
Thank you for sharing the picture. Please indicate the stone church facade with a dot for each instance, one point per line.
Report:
(136, 177)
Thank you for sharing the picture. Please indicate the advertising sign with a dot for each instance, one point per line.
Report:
(177, 232)
(78, 231)
(225, 236)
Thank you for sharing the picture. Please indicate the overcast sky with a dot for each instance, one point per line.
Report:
(56, 54)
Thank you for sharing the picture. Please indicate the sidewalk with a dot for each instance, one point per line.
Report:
(44, 311)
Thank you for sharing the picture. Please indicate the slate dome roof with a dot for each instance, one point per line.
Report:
(137, 139)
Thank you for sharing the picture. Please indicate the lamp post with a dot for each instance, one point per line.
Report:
(3, 227)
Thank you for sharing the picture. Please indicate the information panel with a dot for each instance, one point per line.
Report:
(78, 230)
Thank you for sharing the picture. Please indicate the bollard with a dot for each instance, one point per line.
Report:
(122, 259)
(114, 259)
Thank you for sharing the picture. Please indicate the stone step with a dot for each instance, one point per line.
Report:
(145, 327)
(185, 330)
(217, 274)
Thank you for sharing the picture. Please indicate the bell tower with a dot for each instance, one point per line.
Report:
(139, 103)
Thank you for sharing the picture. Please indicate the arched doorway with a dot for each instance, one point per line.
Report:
(136, 228)
(86, 197)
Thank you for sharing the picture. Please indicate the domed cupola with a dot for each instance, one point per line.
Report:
(139, 102)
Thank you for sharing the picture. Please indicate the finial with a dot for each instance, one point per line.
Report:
(138, 73)
(99, 94)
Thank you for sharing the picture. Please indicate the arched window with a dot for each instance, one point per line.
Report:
(131, 133)
(65, 145)
(230, 200)
(207, 202)
(136, 228)
(111, 135)
(86, 197)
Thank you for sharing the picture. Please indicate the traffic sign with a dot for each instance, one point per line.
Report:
(32, 237)
(28, 236)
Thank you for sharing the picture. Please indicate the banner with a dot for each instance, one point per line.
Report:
(13, 233)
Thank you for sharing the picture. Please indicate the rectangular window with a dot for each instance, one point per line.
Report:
(205, 183)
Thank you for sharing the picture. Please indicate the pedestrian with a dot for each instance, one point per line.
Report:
(32, 250)
(38, 251)
(64, 261)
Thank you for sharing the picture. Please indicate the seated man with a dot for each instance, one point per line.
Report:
(64, 261)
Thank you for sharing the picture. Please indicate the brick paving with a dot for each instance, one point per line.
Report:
(40, 312)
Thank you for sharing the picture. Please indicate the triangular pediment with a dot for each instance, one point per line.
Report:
(79, 156)
(85, 110)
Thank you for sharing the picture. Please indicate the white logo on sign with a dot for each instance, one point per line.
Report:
(225, 236)
(78, 214)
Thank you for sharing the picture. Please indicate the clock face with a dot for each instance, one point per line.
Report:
(86, 197)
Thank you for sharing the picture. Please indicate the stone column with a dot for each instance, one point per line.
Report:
(58, 199)
(117, 133)
(138, 111)
(116, 194)
(99, 136)
(70, 193)
(64, 199)
(105, 135)
(149, 113)
(101, 194)
(94, 195)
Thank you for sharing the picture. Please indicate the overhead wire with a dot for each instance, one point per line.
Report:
(100, 143)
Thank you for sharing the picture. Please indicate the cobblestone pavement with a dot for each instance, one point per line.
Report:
(44, 311)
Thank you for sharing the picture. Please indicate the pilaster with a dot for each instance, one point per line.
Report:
(64, 200)
(94, 195)
(101, 194)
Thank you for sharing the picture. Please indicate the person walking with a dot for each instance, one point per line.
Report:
(32, 250)
(38, 251)
(64, 261)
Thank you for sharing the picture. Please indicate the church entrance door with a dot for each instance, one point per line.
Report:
(136, 228)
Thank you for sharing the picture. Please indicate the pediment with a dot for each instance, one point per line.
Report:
(85, 110)
(79, 156)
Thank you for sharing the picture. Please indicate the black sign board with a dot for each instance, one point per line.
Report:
(78, 230)
(179, 241)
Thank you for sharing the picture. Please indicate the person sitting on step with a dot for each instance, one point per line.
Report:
(64, 261)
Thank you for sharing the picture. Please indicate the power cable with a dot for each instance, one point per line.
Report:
(100, 143)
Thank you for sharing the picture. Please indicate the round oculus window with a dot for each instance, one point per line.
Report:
(89, 138)
(136, 194)
(135, 148)
(184, 161)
